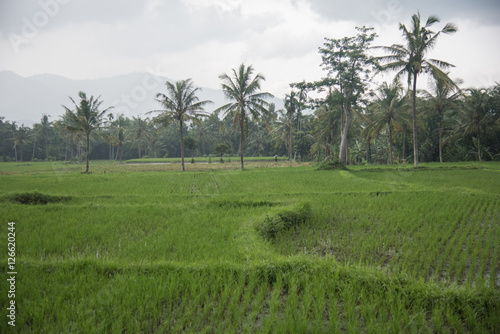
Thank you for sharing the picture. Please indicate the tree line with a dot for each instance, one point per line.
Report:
(340, 117)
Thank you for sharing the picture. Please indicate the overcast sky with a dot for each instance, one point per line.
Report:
(200, 39)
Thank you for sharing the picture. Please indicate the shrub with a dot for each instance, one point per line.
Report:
(331, 165)
(283, 220)
(36, 198)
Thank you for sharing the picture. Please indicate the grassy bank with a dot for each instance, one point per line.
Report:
(203, 159)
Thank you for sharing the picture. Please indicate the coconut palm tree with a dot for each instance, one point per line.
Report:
(411, 59)
(21, 137)
(386, 112)
(283, 127)
(477, 116)
(259, 139)
(139, 133)
(329, 122)
(85, 118)
(191, 145)
(294, 103)
(44, 129)
(180, 104)
(118, 133)
(243, 89)
(443, 96)
(204, 133)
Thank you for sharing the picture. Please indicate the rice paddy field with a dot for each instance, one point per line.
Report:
(135, 248)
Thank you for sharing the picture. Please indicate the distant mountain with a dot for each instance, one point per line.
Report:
(26, 99)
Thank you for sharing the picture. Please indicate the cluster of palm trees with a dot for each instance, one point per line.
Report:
(350, 121)
(410, 59)
(180, 104)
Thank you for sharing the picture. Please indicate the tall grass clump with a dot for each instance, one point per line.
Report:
(283, 219)
(36, 198)
(331, 165)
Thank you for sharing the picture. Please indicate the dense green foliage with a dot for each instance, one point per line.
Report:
(460, 126)
(392, 249)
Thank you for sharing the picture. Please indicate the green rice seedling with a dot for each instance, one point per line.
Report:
(454, 322)
(291, 317)
(259, 305)
(332, 307)
(319, 301)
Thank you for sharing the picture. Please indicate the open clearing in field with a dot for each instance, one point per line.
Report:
(135, 248)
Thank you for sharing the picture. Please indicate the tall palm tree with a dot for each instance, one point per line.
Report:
(283, 127)
(85, 118)
(294, 103)
(118, 133)
(411, 59)
(21, 137)
(139, 133)
(46, 132)
(204, 133)
(180, 104)
(242, 89)
(44, 129)
(259, 138)
(386, 112)
(226, 135)
(443, 96)
(476, 116)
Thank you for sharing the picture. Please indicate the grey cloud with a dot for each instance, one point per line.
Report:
(58, 13)
(176, 29)
(380, 11)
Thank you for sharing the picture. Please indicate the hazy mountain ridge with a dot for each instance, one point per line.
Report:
(26, 99)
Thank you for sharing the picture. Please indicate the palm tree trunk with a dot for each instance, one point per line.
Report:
(343, 142)
(121, 150)
(404, 143)
(46, 149)
(440, 137)
(414, 105)
(34, 147)
(478, 143)
(182, 146)
(391, 158)
(369, 151)
(88, 149)
(70, 140)
(242, 142)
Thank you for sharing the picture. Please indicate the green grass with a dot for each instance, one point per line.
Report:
(147, 248)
